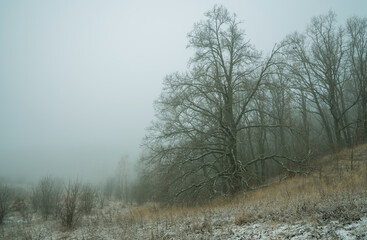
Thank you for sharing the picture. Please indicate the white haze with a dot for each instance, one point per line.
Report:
(78, 78)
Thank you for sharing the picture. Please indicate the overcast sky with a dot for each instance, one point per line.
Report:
(78, 78)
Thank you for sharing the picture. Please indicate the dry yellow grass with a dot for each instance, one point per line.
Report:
(334, 186)
(330, 185)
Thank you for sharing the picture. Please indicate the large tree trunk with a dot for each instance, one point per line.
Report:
(231, 132)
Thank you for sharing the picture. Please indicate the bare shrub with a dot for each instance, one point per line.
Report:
(69, 212)
(6, 196)
(100, 199)
(87, 198)
(46, 195)
(35, 198)
(20, 205)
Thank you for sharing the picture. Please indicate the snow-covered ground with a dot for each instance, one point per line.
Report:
(115, 222)
(333, 206)
(300, 230)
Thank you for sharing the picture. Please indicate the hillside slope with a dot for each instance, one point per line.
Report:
(329, 203)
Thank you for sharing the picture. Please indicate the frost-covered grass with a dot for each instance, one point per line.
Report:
(331, 203)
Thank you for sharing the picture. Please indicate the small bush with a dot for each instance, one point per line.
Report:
(100, 199)
(87, 199)
(20, 205)
(46, 196)
(6, 196)
(69, 212)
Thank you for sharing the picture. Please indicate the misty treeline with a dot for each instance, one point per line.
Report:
(237, 117)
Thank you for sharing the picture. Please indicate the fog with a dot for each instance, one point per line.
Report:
(78, 78)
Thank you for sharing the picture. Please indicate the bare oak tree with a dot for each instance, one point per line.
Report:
(202, 112)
